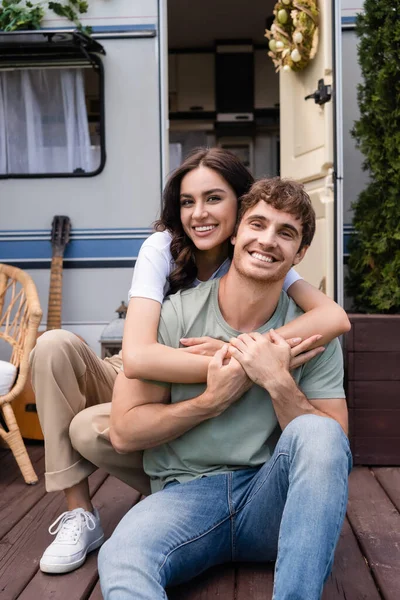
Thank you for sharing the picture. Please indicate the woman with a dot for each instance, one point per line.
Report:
(192, 244)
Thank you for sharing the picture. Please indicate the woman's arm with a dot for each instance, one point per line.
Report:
(323, 320)
(144, 358)
(322, 315)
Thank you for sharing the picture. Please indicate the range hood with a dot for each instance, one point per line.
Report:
(234, 81)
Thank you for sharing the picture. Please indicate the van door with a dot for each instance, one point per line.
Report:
(307, 149)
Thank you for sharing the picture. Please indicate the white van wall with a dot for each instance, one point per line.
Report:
(127, 192)
(111, 213)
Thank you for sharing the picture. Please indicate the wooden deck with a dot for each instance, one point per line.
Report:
(367, 564)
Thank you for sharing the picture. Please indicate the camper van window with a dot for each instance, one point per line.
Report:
(51, 121)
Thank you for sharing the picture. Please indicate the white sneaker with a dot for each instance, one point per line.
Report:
(79, 532)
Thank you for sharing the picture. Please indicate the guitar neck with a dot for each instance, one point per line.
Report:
(55, 294)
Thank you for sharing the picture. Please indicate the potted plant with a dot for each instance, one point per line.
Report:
(373, 282)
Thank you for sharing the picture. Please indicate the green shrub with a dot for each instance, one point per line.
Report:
(374, 263)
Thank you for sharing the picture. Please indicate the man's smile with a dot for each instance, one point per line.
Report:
(262, 257)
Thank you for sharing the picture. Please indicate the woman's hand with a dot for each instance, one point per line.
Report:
(205, 346)
(299, 353)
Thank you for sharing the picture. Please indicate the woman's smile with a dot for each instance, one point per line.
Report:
(204, 230)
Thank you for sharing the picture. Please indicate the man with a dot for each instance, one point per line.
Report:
(230, 485)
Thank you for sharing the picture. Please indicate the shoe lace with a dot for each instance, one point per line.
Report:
(69, 524)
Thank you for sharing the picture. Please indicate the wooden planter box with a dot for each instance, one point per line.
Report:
(372, 361)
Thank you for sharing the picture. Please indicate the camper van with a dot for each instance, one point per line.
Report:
(90, 127)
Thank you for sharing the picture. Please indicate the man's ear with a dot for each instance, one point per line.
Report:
(233, 240)
(300, 255)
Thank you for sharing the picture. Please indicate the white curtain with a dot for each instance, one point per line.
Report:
(43, 122)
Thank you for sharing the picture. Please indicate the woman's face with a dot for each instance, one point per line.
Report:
(208, 208)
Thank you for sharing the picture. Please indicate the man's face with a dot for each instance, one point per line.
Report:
(267, 243)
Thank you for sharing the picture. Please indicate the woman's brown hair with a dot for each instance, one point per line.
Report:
(228, 166)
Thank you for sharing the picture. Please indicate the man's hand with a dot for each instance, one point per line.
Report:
(205, 346)
(264, 358)
(226, 382)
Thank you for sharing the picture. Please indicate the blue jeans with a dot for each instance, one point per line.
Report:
(290, 510)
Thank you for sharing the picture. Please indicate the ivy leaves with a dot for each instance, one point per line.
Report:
(71, 11)
(18, 14)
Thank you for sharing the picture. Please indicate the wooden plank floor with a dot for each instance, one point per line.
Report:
(367, 561)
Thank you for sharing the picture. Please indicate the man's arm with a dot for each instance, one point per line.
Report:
(290, 402)
(266, 362)
(142, 416)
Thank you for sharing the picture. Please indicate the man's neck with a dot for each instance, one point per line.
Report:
(247, 304)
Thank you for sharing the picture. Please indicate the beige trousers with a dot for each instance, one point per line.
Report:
(73, 389)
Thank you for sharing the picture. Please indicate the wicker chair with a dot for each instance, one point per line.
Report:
(20, 316)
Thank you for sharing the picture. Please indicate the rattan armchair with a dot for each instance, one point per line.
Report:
(20, 316)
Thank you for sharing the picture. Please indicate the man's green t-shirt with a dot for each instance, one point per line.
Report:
(244, 435)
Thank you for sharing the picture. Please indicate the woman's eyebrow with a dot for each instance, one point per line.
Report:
(207, 193)
(219, 190)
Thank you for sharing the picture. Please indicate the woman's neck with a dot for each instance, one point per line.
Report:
(208, 261)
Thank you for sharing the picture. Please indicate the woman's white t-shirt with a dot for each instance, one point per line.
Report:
(155, 263)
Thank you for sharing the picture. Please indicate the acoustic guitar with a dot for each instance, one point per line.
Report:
(25, 404)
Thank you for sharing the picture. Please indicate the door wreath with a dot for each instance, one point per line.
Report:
(293, 37)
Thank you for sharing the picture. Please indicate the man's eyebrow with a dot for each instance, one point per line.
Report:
(283, 225)
(253, 216)
(291, 227)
